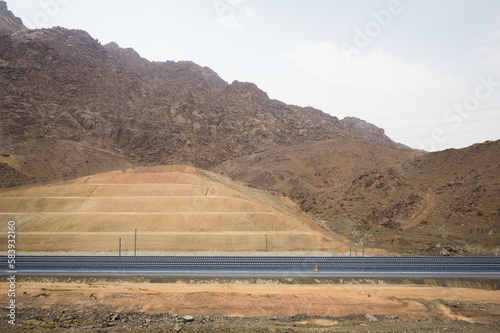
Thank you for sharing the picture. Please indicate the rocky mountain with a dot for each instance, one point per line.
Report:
(439, 203)
(64, 85)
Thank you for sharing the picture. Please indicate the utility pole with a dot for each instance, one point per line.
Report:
(363, 260)
(135, 243)
(350, 244)
(120, 255)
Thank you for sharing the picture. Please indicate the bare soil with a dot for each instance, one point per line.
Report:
(174, 209)
(255, 307)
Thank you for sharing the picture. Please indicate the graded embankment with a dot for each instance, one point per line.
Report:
(173, 208)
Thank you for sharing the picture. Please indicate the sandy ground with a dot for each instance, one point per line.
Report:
(407, 302)
(173, 209)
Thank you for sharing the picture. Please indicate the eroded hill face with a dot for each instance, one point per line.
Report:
(49, 160)
(405, 202)
(174, 208)
(439, 203)
(302, 171)
(64, 85)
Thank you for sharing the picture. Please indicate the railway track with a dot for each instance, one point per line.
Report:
(245, 263)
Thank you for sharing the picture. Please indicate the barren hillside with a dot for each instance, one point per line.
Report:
(439, 203)
(63, 84)
(407, 202)
(302, 171)
(49, 160)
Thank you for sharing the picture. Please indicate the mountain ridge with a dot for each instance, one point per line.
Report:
(152, 112)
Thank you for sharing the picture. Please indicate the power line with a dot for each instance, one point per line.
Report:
(423, 115)
(425, 136)
(441, 124)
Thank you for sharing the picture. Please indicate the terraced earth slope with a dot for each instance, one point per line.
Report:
(174, 208)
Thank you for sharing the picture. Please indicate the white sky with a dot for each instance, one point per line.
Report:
(426, 71)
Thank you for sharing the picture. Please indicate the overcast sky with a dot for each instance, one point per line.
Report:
(426, 71)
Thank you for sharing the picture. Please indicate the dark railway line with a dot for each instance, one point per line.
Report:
(258, 265)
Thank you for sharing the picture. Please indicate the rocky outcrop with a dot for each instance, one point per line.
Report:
(369, 132)
(9, 23)
(10, 177)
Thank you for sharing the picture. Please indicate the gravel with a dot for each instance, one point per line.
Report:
(57, 320)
